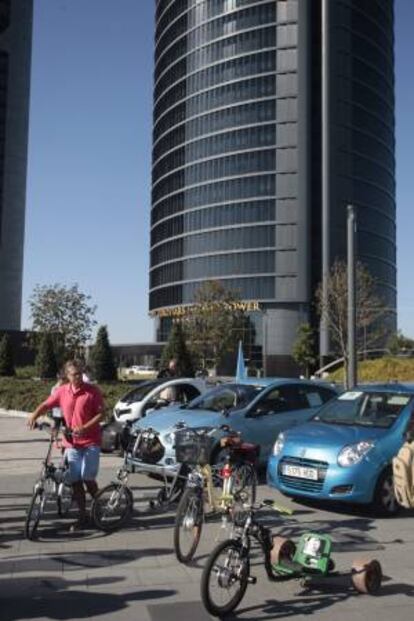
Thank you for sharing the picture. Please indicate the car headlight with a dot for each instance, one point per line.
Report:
(279, 444)
(353, 453)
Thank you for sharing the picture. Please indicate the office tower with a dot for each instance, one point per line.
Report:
(15, 54)
(237, 154)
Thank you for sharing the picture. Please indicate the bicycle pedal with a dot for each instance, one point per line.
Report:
(252, 580)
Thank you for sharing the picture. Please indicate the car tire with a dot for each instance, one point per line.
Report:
(385, 503)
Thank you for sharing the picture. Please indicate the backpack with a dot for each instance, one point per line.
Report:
(403, 471)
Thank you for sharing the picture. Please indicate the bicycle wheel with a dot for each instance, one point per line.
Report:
(34, 514)
(278, 550)
(245, 482)
(188, 525)
(366, 575)
(64, 499)
(112, 507)
(225, 577)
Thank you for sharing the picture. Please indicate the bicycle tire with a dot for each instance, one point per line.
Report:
(226, 578)
(34, 513)
(245, 482)
(277, 550)
(111, 513)
(64, 499)
(190, 514)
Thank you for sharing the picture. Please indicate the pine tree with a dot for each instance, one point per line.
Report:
(6, 357)
(102, 358)
(176, 348)
(46, 364)
(303, 351)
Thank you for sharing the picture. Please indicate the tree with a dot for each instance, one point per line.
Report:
(46, 363)
(304, 348)
(6, 357)
(371, 329)
(177, 348)
(102, 358)
(398, 342)
(66, 314)
(214, 323)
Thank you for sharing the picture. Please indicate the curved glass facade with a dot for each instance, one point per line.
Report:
(236, 182)
(225, 146)
(363, 134)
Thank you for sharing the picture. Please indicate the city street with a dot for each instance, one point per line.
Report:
(133, 574)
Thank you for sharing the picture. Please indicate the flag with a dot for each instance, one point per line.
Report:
(241, 369)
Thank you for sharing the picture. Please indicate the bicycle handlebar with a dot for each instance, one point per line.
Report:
(271, 504)
(206, 430)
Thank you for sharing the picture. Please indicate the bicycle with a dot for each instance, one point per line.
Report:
(216, 488)
(113, 505)
(53, 485)
(226, 574)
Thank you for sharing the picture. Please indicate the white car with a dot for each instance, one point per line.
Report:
(138, 369)
(155, 394)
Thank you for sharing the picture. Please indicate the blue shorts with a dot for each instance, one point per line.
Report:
(83, 463)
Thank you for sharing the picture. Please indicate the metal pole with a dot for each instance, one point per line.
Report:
(352, 358)
(324, 346)
(264, 344)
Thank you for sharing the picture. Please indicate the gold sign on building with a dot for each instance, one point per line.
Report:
(179, 312)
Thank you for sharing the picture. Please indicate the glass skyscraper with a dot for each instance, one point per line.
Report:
(236, 192)
(15, 54)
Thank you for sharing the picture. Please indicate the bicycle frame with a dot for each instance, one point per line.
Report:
(50, 486)
(202, 479)
(170, 479)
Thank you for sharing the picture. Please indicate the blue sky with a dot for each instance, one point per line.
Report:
(88, 188)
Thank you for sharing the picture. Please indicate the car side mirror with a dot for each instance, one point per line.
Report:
(161, 403)
(256, 412)
(155, 404)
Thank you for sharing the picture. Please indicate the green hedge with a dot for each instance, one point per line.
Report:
(387, 369)
(26, 394)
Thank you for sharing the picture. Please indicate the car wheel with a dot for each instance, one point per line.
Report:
(385, 502)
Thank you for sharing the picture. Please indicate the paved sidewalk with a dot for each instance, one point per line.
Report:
(133, 574)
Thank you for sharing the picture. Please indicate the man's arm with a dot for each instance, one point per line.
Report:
(51, 402)
(93, 421)
(41, 409)
(98, 407)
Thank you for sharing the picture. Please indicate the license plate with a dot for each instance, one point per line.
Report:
(300, 472)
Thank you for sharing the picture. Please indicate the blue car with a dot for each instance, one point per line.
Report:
(344, 453)
(258, 408)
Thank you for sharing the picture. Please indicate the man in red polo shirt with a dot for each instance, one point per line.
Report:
(82, 408)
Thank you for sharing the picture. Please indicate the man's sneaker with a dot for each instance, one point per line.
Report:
(81, 524)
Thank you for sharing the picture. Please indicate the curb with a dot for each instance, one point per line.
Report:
(12, 414)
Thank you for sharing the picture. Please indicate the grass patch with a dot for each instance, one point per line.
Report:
(388, 369)
(23, 394)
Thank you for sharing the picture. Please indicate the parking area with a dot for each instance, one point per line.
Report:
(133, 573)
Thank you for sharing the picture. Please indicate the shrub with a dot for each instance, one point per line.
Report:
(6, 357)
(102, 359)
(177, 348)
(46, 364)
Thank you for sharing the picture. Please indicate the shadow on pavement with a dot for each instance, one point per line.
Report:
(54, 601)
(314, 602)
(74, 561)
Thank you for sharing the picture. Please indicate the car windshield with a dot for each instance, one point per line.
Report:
(138, 393)
(371, 409)
(228, 397)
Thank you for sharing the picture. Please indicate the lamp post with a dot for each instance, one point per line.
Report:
(264, 344)
(324, 345)
(352, 357)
